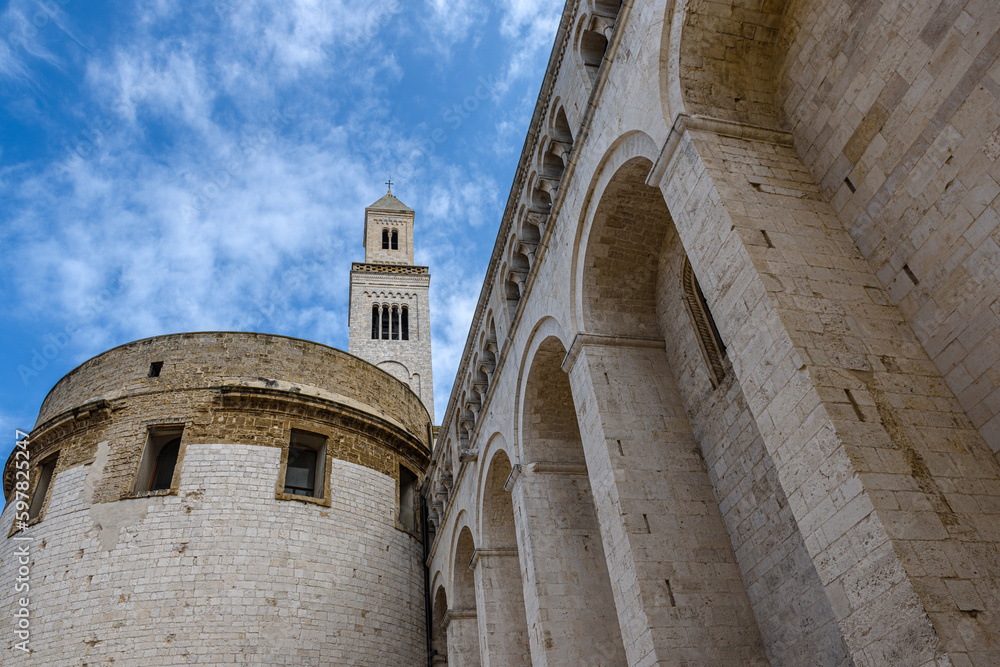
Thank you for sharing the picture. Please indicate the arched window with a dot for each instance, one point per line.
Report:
(166, 461)
(395, 323)
(385, 322)
(592, 47)
(159, 458)
(385, 239)
(395, 240)
(708, 335)
(375, 321)
(405, 322)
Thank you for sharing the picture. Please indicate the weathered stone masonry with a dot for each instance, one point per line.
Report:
(731, 393)
(224, 566)
(827, 490)
(388, 281)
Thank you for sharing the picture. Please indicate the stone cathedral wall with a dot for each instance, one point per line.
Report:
(223, 567)
(812, 479)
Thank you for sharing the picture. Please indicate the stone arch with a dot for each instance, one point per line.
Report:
(549, 160)
(439, 638)
(634, 425)
(590, 46)
(627, 147)
(397, 370)
(736, 83)
(503, 629)
(511, 294)
(528, 229)
(496, 444)
(493, 338)
(619, 291)
(671, 98)
(462, 624)
(566, 573)
(546, 327)
(497, 515)
(463, 585)
(559, 127)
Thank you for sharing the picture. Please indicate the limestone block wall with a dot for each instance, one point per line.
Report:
(845, 342)
(791, 607)
(903, 136)
(196, 360)
(410, 360)
(221, 572)
(895, 110)
(401, 222)
(224, 566)
(827, 168)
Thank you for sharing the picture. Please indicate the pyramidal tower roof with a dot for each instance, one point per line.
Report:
(390, 203)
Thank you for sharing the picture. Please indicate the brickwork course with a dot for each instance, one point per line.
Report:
(730, 394)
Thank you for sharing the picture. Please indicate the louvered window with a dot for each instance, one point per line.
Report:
(708, 335)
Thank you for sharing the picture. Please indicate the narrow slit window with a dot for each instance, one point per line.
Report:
(305, 470)
(385, 322)
(159, 459)
(374, 322)
(42, 488)
(385, 239)
(404, 319)
(395, 323)
(395, 240)
(708, 335)
(408, 499)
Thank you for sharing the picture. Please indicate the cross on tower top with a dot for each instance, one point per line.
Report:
(389, 183)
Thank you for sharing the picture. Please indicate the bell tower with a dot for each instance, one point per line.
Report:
(389, 320)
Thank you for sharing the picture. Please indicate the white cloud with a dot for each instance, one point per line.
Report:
(529, 26)
(298, 34)
(161, 80)
(186, 206)
(454, 309)
(453, 21)
(23, 28)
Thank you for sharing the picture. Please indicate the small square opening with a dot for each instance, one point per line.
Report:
(154, 369)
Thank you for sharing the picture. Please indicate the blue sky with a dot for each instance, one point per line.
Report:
(187, 166)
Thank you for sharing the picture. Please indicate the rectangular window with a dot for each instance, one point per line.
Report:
(42, 488)
(395, 323)
(405, 320)
(159, 458)
(385, 323)
(408, 499)
(305, 471)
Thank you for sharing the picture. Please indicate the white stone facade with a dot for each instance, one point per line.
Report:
(730, 395)
(221, 573)
(226, 559)
(730, 388)
(388, 281)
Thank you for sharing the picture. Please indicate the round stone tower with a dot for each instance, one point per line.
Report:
(220, 498)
